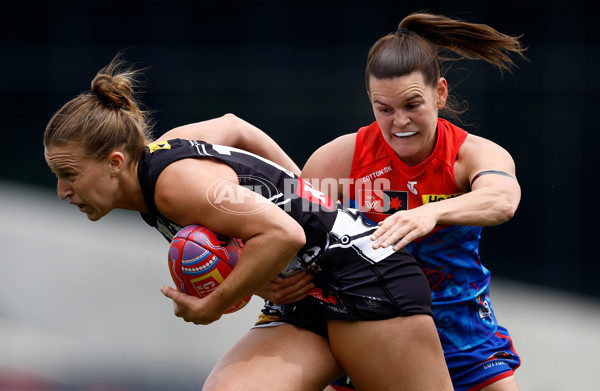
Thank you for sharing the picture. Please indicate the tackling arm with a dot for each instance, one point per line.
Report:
(493, 198)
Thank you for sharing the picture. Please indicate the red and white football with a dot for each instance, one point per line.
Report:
(200, 259)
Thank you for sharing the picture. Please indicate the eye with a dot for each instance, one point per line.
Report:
(69, 176)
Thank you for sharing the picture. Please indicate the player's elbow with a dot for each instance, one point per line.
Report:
(239, 131)
(503, 203)
(285, 240)
(508, 212)
(513, 198)
(232, 120)
(294, 236)
(505, 210)
(289, 238)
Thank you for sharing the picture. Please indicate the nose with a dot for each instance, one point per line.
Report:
(401, 119)
(63, 189)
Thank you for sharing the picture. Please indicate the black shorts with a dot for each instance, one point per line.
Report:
(355, 282)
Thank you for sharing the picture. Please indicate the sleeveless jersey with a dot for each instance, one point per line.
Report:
(282, 187)
(382, 185)
(353, 281)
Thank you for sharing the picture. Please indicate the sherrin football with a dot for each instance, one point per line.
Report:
(200, 259)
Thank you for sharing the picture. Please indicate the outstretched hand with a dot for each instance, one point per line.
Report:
(190, 308)
(286, 290)
(403, 227)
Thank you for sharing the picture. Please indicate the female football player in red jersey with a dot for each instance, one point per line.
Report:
(431, 186)
(370, 313)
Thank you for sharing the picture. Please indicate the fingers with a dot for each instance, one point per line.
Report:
(396, 232)
(191, 308)
(401, 243)
(294, 279)
(286, 290)
(386, 235)
(181, 301)
(293, 290)
(171, 293)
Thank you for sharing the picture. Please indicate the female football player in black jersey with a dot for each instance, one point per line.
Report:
(369, 313)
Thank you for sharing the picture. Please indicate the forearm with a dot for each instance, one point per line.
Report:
(486, 206)
(262, 259)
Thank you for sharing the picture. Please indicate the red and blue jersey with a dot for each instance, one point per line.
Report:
(381, 184)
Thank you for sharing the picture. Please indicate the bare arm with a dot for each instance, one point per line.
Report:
(330, 162)
(492, 199)
(234, 132)
(330, 165)
(187, 192)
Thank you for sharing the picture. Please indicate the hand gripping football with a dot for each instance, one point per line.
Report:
(200, 259)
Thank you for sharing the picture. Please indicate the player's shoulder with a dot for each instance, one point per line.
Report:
(478, 145)
(334, 158)
(339, 147)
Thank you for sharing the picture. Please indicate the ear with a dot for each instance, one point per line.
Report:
(442, 93)
(116, 162)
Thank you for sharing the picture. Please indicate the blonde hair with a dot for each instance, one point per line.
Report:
(105, 118)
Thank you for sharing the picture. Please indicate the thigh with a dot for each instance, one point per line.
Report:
(402, 353)
(275, 358)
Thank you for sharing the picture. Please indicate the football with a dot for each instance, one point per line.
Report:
(200, 259)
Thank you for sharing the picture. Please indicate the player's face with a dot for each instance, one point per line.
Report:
(83, 181)
(406, 110)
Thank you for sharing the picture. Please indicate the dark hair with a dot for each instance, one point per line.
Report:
(415, 46)
(105, 118)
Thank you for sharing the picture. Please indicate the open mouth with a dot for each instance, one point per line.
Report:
(404, 134)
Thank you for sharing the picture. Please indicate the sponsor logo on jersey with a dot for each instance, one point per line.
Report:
(382, 201)
(376, 174)
(494, 364)
(427, 198)
(411, 187)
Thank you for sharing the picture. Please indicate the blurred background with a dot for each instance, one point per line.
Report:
(80, 307)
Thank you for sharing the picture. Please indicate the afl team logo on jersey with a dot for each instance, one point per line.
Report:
(382, 201)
